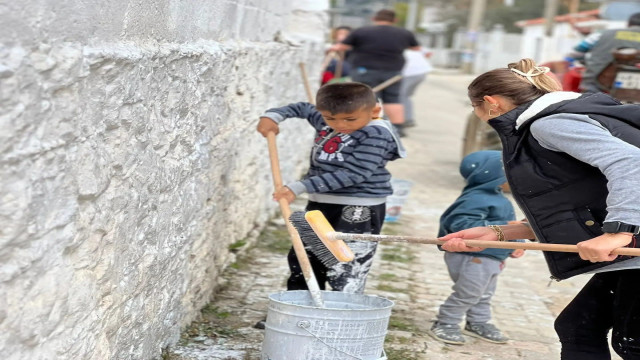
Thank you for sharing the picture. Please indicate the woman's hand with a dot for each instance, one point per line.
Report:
(600, 248)
(284, 193)
(266, 125)
(455, 241)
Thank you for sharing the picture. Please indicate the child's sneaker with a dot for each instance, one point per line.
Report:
(447, 333)
(485, 331)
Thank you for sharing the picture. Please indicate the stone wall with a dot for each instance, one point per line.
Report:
(129, 161)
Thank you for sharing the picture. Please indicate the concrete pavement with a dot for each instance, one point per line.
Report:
(414, 276)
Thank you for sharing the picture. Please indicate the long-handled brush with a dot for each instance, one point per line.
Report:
(387, 83)
(305, 82)
(298, 247)
(329, 253)
(315, 229)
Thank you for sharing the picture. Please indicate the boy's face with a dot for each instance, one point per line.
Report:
(347, 123)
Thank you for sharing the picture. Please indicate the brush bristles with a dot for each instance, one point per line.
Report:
(325, 232)
(311, 241)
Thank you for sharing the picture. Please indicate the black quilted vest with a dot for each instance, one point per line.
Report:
(563, 198)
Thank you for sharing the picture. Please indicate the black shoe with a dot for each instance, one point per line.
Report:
(260, 324)
(399, 130)
(409, 123)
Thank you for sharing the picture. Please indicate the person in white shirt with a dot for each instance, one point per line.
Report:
(416, 68)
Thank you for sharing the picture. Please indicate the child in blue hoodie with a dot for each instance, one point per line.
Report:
(475, 274)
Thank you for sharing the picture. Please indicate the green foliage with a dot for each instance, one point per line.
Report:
(275, 240)
(397, 254)
(215, 311)
(391, 228)
(387, 277)
(396, 323)
(237, 245)
(389, 288)
(401, 9)
(401, 354)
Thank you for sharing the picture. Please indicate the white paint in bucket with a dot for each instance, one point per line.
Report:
(349, 327)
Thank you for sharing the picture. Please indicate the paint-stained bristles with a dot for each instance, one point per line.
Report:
(330, 253)
(323, 229)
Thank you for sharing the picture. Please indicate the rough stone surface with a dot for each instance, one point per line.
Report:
(129, 162)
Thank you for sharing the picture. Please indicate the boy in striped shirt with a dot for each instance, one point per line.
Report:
(347, 179)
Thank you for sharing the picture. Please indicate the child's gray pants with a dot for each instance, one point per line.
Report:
(475, 280)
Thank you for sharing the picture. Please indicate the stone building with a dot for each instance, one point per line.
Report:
(129, 162)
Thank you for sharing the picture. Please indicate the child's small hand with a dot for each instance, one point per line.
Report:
(517, 253)
(284, 192)
(266, 125)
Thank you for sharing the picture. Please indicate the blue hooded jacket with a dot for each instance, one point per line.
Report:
(481, 202)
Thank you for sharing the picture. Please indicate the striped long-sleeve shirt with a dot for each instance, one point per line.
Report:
(346, 169)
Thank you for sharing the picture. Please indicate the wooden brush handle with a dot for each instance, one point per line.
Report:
(478, 243)
(327, 59)
(339, 64)
(386, 83)
(298, 247)
(307, 86)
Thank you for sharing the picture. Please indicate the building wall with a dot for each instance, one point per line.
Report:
(129, 161)
(496, 49)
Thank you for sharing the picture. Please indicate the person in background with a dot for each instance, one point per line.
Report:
(598, 47)
(377, 56)
(475, 274)
(338, 66)
(414, 72)
(572, 164)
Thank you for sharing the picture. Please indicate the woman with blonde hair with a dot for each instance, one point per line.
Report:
(573, 164)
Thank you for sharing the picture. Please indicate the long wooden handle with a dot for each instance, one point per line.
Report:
(339, 64)
(386, 83)
(298, 246)
(327, 59)
(307, 86)
(478, 243)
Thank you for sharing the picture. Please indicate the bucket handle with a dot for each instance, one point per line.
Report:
(305, 324)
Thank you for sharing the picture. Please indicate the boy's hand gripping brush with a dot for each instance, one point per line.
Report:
(318, 230)
(298, 247)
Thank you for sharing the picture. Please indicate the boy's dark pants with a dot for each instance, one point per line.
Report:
(347, 277)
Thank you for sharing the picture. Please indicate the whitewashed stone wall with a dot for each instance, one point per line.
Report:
(129, 161)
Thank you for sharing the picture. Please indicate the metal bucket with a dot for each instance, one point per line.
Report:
(350, 326)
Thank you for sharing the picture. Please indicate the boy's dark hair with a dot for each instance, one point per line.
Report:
(340, 98)
(385, 15)
(634, 20)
